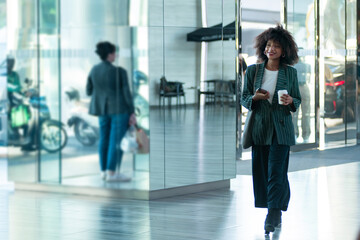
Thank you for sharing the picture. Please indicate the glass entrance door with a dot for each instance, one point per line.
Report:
(337, 81)
(300, 22)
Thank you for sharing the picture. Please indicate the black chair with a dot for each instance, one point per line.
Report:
(171, 89)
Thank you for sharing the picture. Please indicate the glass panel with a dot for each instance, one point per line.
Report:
(157, 114)
(80, 159)
(140, 90)
(156, 13)
(358, 77)
(193, 133)
(50, 131)
(189, 13)
(104, 21)
(351, 72)
(229, 110)
(3, 94)
(229, 107)
(22, 76)
(301, 25)
(332, 71)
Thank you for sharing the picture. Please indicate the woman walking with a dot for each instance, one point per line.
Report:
(273, 130)
(112, 102)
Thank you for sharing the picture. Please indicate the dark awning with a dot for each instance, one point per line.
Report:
(214, 33)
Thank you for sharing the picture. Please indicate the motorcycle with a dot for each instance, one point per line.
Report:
(39, 131)
(335, 95)
(85, 126)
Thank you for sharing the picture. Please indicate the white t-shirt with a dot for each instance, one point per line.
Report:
(269, 82)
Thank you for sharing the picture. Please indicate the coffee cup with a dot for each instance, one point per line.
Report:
(280, 94)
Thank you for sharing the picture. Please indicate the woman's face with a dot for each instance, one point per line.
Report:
(273, 50)
(111, 57)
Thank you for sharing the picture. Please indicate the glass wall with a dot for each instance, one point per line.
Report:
(301, 23)
(327, 69)
(57, 142)
(183, 90)
(121, 23)
(191, 98)
(23, 71)
(333, 87)
(181, 70)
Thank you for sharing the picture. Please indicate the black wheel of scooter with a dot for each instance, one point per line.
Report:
(85, 134)
(53, 136)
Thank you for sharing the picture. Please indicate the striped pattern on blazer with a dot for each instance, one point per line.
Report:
(269, 117)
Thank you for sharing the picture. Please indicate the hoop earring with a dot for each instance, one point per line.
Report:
(283, 55)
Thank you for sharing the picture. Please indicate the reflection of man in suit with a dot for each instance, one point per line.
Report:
(303, 71)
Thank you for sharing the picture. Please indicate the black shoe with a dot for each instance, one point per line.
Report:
(273, 220)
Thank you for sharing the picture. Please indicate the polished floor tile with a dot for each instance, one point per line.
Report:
(324, 205)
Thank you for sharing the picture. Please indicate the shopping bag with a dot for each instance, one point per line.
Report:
(128, 143)
(20, 115)
(247, 134)
(246, 139)
(142, 141)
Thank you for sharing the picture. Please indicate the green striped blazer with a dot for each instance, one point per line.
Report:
(269, 117)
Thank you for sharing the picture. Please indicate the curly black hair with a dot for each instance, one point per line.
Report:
(284, 38)
(103, 49)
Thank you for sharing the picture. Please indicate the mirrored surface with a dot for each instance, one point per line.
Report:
(81, 162)
(301, 25)
(182, 89)
(198, 156)
(230, 105)
(21, 71)
(53, 74)
(157, 114)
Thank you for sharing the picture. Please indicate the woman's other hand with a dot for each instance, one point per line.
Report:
(132, 120)
(261, 94)
(286, 99)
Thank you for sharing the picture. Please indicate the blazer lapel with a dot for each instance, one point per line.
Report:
(282, 83)
(259, 75)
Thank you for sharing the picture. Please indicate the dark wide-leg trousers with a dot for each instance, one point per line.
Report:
(269, 171)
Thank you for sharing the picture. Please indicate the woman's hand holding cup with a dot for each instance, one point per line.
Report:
(284, 98)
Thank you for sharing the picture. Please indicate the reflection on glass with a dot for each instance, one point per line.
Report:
(66, 138)
(21, 47)
(51, 132)
(300, 23)
(333, 62)
(303, 122)
(157, 114)
(89, 133)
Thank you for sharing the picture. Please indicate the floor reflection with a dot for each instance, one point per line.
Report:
(317, 211)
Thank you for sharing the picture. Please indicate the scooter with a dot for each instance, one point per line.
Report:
(40, 131)
(85, 126)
